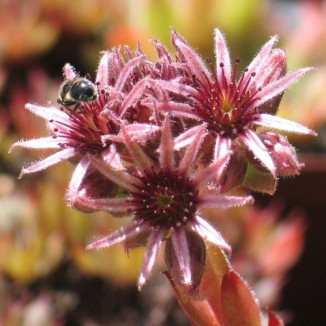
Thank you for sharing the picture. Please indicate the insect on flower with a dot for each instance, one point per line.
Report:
(77, 90)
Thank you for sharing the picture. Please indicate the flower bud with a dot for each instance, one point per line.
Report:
(282, 153)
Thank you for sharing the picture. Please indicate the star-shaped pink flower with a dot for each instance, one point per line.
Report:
(164, 195)
(79, 134)
(233, 108)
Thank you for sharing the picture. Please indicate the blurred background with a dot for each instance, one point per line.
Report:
(47, 278)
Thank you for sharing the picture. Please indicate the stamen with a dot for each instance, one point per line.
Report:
(241, 79)
(217, 83)
(224, 81)
(243, 92)
(252, 98)
(234, 76)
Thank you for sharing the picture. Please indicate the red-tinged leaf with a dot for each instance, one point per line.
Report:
(198, 310)
(238, 304)
(217, 265)
(274, 320)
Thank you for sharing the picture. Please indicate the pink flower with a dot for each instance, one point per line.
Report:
(94, 125)
(233, 108)
(164, 193)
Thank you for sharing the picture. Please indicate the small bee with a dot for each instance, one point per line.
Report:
(77, 91)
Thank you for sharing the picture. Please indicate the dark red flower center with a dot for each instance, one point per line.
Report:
(86, 126)
(165, 200)
(228, 108)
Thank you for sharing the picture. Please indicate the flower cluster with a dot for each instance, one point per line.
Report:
(163, 140)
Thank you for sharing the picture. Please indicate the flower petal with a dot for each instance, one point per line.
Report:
(181, 250)
(166, 146)
(222, 147)
(257, 147)
(48, 113)
(112, 158)
(153, 245)
(258, 62)
(109, 68)
(121, 178)
(142, 161)
(129, 231)
(140, 130)
(223, 201)
(53, 159)
(179, 109)
(273, 69)
(222, 57)
(197, 255)
(69, 72)
(201, 177)
(191, 152)
(195, 63)
(126, 71)
(77, 178)
(208, 233)
(272, 121)
(279, 86)
(104, 204)
(39, 143)
(186, 138)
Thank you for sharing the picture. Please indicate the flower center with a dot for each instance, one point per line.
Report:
(227, 107)
(85, 126)
(166, 200)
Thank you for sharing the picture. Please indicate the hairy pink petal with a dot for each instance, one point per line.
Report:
(53, 159)
(102, 76)
(39, 143)
(77, 178)
(141, 130)
(195, 63)
(201, 177)
(179, 109)
(272, 121)
(153, 245)
(121, 178)
(48, 113)
(129, 231)
(126, 71)
(260, 59)
(259, 150)
(186, 138)
(135, 94)
(142, 161)
(180, 246)
(105, 204)
(222, 57)
(162, 50)
(69, 72)
(273, 69)
(208, 233)
(279, 86)
(190, 155)
(222, 147)
(166, 146)
(176, 87)
(223, 201)
(112, 158)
